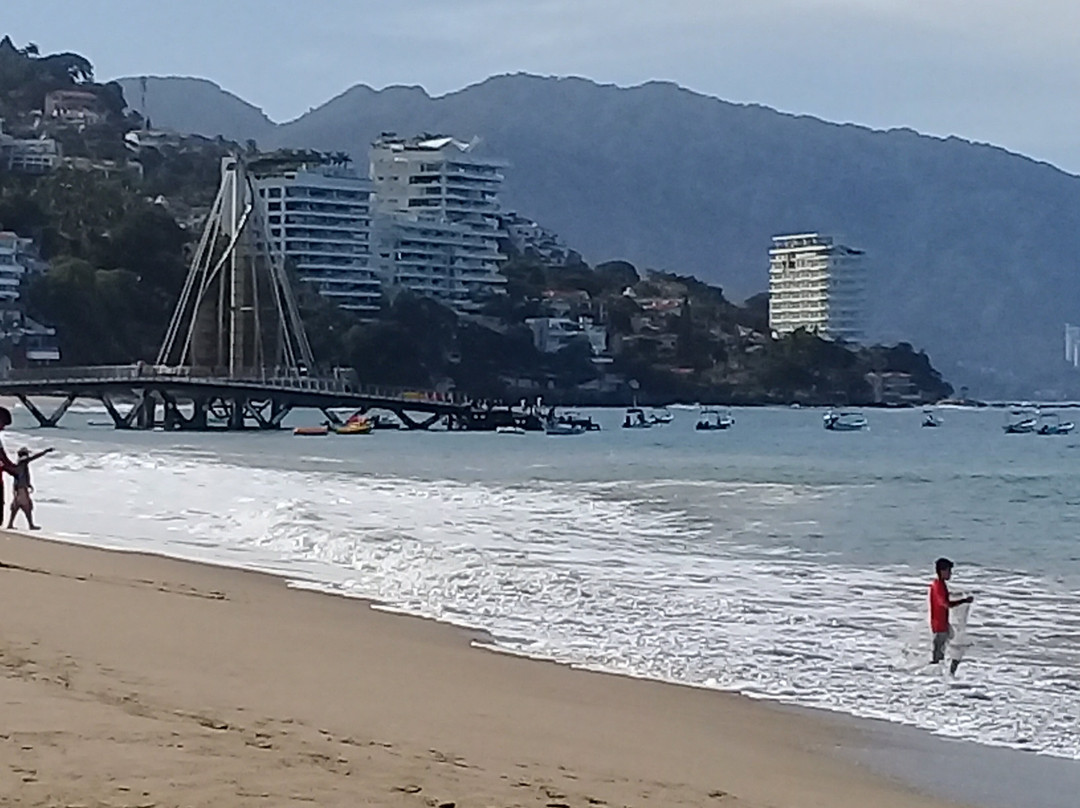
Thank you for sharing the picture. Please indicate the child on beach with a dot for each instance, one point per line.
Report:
(23, 488)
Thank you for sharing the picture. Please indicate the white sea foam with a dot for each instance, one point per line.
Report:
(651, 579)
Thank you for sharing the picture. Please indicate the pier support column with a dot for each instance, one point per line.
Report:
(412, 424)
(147, 410)
(47, 420)
(236, 414)
(121, 420)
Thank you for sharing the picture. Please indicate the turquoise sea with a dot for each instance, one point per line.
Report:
(776, 559)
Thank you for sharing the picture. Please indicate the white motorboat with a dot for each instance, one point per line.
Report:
(1021, 421)
(635, 419)
(1050, 423)
(711, 420)
(845, 421)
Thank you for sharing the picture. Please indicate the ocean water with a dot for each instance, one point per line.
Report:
(775, 559)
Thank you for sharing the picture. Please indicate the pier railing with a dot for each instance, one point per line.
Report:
(269, 379)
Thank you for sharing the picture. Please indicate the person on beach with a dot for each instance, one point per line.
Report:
(21, 500)
(940, 604)
(5, 461)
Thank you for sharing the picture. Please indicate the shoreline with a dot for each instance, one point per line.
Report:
(346, 701)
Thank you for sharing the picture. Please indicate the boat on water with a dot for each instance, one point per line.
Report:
(311, 431)
(660, 416)
(1021, 421)
(712, 419)
(358, 427)
(383, 422)
(577, 419)
(557, 428)
(931, 419)
(509, 430)
(844, 421)
(636, 419)
(1050, 423)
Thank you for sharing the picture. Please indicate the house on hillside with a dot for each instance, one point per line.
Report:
(27, 155)
(73, 107)
(552, 334)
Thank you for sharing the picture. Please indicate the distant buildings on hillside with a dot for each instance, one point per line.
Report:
(22, 340)
(27, 155)
(319, 216)
(437, 227)
(817, 286)
(426, 220)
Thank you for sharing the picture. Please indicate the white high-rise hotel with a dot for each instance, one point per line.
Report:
(436, 225)
(318, 217)
(818, 286)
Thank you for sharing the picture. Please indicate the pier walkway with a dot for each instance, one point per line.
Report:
(148, 397)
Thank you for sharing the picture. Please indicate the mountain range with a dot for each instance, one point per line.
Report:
(971, 250)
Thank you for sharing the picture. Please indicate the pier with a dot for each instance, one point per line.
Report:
(149, 397)
(235, 354)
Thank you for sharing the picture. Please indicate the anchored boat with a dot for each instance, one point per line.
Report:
(845, 421)
(1050, 423)
(1021, 421)
(711, 419)
(311, 431)
(635, 419)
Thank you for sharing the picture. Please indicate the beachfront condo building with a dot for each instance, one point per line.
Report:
(318, 218)
(437, 225)
(818, 286)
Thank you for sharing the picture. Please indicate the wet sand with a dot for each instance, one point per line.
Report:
(133, 680)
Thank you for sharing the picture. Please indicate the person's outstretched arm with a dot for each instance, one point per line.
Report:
(39, 455)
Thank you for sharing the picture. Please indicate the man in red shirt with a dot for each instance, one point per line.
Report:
(939, 611)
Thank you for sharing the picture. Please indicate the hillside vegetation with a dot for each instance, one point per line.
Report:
(971, 249)
(117, 242)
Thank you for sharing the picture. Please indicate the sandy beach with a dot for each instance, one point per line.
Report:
(132, 680)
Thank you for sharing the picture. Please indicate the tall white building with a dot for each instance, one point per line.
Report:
(319, 217)
(818, 286)
(13, 258)
(437, 218)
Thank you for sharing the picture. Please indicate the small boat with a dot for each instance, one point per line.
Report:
(712, 419)
(1051, 424)
(577, 419)
(311, 431)
(555, 428)
(660, 416)
(845, 421)
(635, 419)
(357, 427)
(1021, 422)
(383, 422)
(931, 419)
(509, 430)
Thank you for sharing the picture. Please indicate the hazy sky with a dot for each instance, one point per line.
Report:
(999, 71)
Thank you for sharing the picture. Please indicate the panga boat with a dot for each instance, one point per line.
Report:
(845, 421)
(711, 420)
(311, 431)
(1021, 422)
(1051, 424)
(509, 430)
(931, 419)
(635, 419)
(661, 415)
(556, 427)
(577, 419)
(355, 426)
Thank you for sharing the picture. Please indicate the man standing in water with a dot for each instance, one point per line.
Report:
(939, 611)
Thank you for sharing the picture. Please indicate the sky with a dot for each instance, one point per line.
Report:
(995, 71)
